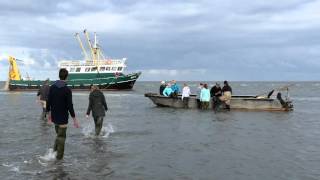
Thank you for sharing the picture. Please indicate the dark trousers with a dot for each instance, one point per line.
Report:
(199, 104)
(98, 121)
(185, 102)
(215, 102)
(205, 104)
(60, 141)
(43, 114)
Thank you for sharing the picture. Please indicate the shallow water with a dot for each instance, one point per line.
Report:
(141, 141)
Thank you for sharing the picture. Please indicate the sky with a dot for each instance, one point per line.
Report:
(236, 40)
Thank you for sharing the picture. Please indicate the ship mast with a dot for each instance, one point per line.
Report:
(90, 45)
(82, 47)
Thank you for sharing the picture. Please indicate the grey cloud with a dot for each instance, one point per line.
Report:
(224, 37)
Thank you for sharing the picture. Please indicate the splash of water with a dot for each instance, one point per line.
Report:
(49, 156)
(107, 130)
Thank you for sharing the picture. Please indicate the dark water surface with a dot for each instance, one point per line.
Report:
(141, 141)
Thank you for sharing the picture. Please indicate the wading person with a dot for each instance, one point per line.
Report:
(98, 106)
(226, 94)
(43, 98)
(215, 95)
(185, 95)
(198, 95)
(205, 97)
(60, 105)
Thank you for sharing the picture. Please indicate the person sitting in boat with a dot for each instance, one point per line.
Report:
(215, 93)
(168, 91)
(205, 97)
(185, 95)
(226, 94)
(175, 88)
(162, 87)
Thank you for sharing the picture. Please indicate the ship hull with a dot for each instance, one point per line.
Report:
(124, 82)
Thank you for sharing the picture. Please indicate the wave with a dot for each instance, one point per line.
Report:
(313, 99)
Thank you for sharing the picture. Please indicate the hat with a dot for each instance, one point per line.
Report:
(163, 82)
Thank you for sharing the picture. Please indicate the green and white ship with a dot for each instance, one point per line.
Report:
(95, 69)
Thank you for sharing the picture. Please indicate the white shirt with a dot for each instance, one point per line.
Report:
(185, 92)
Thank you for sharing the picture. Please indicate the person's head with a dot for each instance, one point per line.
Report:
(94, 87)
(168, 85)
(163, 82)
(46, 82)
(217, 84)
(185, 84)
(225, 83)
(63, 74)
(205, 86)
(173, 81)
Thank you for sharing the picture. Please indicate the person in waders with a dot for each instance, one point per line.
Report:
(42, 94)
(98, 106)
(226, 94)
(59, 106)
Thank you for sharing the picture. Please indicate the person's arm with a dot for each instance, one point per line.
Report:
(104, 102)
(48, 104)
(70, 108)
(89, 105)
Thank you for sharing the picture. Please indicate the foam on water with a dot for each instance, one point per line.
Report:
(89, 130)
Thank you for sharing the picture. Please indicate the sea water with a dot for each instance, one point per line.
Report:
(142, 141)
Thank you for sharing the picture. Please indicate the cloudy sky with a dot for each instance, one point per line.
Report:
(169, 39)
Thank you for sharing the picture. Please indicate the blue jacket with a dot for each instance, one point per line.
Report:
(60, 103)
(205, 95)
(175, 88)
(167, 91)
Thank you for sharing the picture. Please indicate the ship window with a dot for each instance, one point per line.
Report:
(87, 69)
(102, 68)
(78, 69)
(72, 69)
(119, 68)
(114, 68)
(107, 68)
(94, 69)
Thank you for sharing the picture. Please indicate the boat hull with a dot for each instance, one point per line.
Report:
(237, 102)
(125, 82)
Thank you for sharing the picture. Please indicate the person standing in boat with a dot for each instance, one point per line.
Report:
(168, 91)
(226, 94)
(162, 87)
(98, 106)
(215, 92)
(60, 105)
(198, 95)
(185, 95)
(205, 97)
(175, 88)
(42, 94)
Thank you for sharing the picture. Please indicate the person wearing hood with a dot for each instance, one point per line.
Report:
(59, 106)
(42, 94)
(98, 106)
(175, 88)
